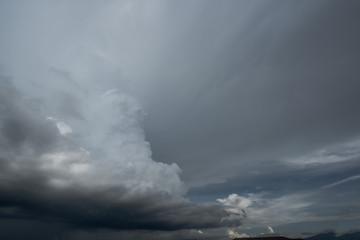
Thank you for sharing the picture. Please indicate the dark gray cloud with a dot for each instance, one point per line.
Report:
(99, 210)
(20, 229)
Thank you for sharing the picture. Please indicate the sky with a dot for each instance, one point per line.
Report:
(179, 119)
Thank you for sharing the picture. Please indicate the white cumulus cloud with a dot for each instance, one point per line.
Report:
(233, 234)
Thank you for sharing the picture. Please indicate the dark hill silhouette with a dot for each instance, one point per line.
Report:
(332, 236)
(267, 238)
(323, 236)
(350, 236)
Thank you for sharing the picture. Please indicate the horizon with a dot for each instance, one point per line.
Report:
(179, 119)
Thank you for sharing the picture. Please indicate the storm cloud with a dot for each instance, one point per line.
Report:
(47, 176)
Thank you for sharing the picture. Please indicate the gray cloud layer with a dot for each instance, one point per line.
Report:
(283, 85)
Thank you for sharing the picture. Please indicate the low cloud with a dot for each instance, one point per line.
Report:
(261, 209)
(140, 235)
(270, 230)
(233, 234)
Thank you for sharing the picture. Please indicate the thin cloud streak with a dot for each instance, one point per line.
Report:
(353, 178)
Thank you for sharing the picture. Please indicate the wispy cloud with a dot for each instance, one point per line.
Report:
(330, 154)
(353, 178)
